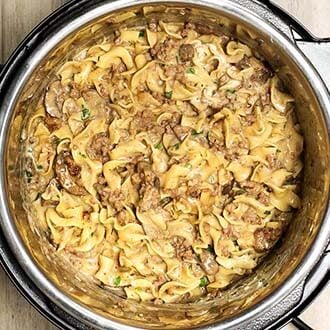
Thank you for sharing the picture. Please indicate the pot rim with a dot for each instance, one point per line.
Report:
(9, 228)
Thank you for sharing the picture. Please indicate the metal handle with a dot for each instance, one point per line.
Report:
(304, 33)
(316, 49)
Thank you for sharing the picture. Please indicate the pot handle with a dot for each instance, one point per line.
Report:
(316, 49)
(305, 35)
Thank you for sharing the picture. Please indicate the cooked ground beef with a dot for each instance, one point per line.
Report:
(165, 51)
(273, 161)
(52, 123)
(100, 148)
(251, 216)
(68, 173)
(265, 238)
(73, 169)
(182, 247)
(204, 29)
(186, 52)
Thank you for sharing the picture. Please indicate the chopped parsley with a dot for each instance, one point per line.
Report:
(160, 146)
(191, 70)
(203, 282)
(56, 140)
(168, 94)
(210, 248)
(82, 155)
(29, 176)
(141, 34)
(240, 192)
(267, 212)
(230, 90)
(176, 146)
(39, 167)
(85, 113)
(195, 133)
(117, 281)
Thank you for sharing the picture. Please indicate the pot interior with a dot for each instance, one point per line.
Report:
(287, 254)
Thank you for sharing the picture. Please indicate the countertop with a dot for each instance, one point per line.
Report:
(17, 18)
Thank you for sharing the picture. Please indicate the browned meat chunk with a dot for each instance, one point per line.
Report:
(204, 29)
(52, 123)
(148, 185)
(99, 148)
(165, 51)
(68, 174)
(273, 161)
(265, 238)
(186, 52)
(182, 247)
(250, 216)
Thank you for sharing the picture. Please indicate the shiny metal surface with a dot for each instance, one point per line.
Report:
(248, 303)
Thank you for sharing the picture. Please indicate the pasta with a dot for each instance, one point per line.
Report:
(167, 161)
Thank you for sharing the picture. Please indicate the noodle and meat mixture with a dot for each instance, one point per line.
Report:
(164, 162)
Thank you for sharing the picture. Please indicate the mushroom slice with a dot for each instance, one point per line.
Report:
(54, 99)
(68, 174)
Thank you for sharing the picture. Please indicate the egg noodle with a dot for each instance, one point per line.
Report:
(164, 162)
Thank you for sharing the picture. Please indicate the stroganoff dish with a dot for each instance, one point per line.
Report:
(164, 162)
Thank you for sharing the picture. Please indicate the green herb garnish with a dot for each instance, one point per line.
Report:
(168, 94)
(39, 167)
(82, 155)
(160, 146)
(188, 165)
(230, 90)
(176, 146)
(141, 34)
(210, 248)
(195, 133)
(267, 212)
(191, 70)
(203, 282)
(240, 192)
(117, 281)
(56, 140)
(85, 113)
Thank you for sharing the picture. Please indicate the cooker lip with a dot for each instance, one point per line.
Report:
(11, 233)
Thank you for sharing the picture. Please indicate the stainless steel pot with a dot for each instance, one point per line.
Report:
(255, 302)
